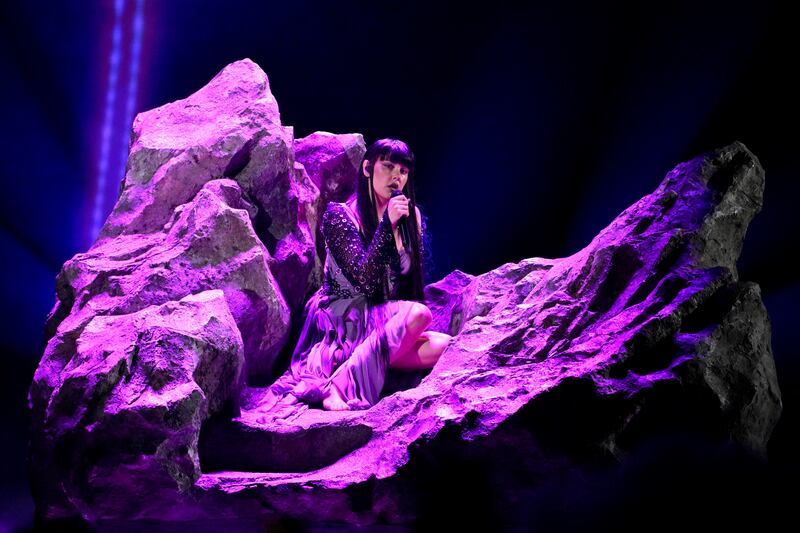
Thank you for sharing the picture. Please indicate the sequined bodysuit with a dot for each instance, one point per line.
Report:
(352, 267)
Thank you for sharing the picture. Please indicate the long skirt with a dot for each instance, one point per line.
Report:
(346, 342)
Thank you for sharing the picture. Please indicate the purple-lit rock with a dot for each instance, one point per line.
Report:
(331, 162)
(228, 129)
(556, 363)
(126, 410)
(209, 243)
(191, 217)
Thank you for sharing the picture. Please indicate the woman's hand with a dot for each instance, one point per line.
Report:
(398, 208)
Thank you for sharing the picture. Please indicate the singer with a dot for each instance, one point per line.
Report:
(368, 315)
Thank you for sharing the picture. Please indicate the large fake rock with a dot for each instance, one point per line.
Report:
(212, 199)
(228, 129)
(208, 244)
(329, 160)
(125, 412)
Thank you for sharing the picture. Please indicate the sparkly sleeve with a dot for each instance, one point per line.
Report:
(363, 267)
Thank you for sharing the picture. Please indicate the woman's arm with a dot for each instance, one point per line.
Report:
(363, 267)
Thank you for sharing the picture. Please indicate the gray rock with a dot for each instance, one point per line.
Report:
(125, 412)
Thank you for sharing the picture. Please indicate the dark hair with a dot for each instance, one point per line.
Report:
(398, 152)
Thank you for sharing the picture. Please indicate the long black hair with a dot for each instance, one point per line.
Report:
(397, 152)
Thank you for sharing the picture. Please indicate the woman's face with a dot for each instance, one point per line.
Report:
(387, 177)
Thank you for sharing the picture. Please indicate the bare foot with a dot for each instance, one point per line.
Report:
(334, 401)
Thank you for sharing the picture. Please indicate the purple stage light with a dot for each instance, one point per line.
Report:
(116, 124)
(133, 82)
(108, 120)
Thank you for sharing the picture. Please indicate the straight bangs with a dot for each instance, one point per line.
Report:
(398, 153)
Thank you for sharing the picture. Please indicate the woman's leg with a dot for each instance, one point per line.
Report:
(424, 352)
(412, 318)
(334, 401)
(416, 319)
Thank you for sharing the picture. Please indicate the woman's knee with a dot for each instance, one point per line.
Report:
(419, 316)
(438, 339)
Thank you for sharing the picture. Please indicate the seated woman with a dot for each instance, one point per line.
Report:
(367, 316)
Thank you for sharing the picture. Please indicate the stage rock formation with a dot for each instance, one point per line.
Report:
(165, 332)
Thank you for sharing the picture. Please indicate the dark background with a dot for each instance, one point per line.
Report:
(533, 128)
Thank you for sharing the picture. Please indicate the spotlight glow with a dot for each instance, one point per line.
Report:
(133, 83)
(108, 120)
(117, 119)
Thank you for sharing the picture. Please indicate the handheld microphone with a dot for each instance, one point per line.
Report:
(403, 225)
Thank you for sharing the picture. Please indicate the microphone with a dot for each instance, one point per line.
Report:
(403, 225)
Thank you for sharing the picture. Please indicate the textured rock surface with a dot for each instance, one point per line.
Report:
(208, 202)
(125, 415)
(557, 363)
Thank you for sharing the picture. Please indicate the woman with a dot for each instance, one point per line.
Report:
(367, 315)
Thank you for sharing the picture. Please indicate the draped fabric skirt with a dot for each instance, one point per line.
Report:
(346, 342)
